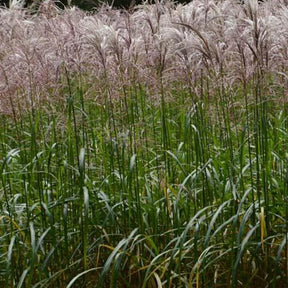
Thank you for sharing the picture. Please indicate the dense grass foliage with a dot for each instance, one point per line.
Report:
(144, 149)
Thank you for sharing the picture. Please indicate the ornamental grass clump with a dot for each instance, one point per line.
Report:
(144, 147)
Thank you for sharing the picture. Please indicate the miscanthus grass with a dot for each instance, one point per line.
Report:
(144, 148)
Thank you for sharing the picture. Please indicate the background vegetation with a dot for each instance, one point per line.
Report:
(144, 148)
(87, 5)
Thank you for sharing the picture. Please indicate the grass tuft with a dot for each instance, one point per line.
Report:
(144, 148)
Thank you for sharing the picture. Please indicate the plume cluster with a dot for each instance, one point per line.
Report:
(155, 45)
